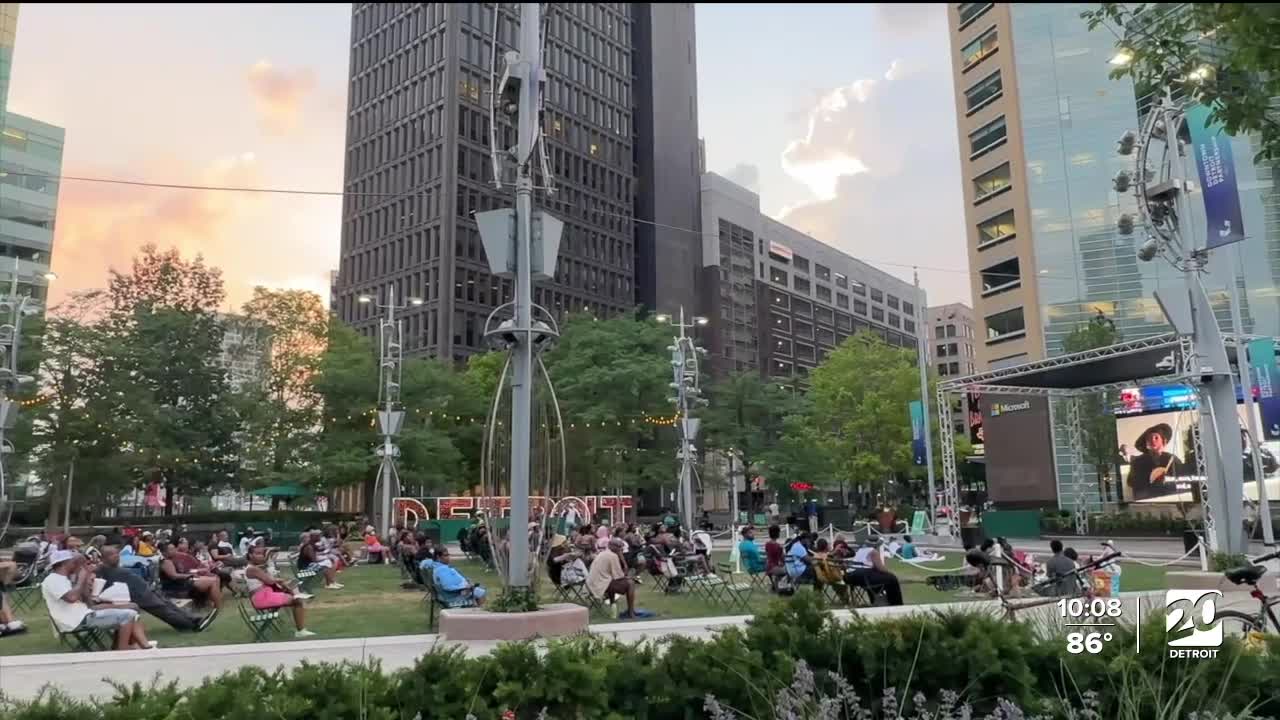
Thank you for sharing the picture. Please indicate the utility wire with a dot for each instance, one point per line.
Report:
(340, 193)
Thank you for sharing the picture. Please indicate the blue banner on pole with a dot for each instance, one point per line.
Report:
(917, 432)
(1217, 170)
(1262, 357)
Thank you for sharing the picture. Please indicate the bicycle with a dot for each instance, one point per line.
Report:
(1239, 623)
(1082, 577)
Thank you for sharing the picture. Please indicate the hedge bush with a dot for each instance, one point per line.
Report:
(982, 659)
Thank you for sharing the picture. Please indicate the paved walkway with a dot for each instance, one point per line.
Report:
(84, 675)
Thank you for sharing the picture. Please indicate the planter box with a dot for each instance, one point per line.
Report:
(555, 620)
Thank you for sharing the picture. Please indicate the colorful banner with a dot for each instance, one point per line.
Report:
(917, 432)
(974, 401)
(1217, 171)
(1266, 377)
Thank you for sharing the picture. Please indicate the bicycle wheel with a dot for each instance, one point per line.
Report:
(1238, 624)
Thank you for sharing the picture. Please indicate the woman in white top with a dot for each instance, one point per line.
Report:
(267, 592)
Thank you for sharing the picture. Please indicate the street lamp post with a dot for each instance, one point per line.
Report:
(686, 383)
(390, 411)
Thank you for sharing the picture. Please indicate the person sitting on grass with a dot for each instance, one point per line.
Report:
(309, 558)
(181, 577)
(752, 559)
(607, 579)
(267, 592)
(869, 571)
(67, 593)
(454, 590)
(908, 549)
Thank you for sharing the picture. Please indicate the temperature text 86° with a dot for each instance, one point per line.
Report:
(1086, 642)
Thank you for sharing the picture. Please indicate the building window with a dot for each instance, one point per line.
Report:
(804, 351)
(984, 92)
(909, 325)
(938, 332)
(1001, 277)
(801, 285)
(971, 11)
(1005, 325)
(803, 330)
(782, 347)
(824, 293)
(843, 322)
(895, 320)
(951, 331)
(953, 368)
(777, 276)
(941, 351)
(877, 296)
(801, 264)
(860, 307)
(780, 369)
(979, 49)
(942, 369)
(822, 272)
(993, 231)
(991, 183)
(987, 138)
(858, 288)
(781, 323)
(908, 308)
(892, 302)
(877, 314)
(826, 337)
(842, 301)
(842, 282)
(779, 300)
(804, 308)
(824, 315)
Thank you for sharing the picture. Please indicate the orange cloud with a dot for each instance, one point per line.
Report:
(279, 95)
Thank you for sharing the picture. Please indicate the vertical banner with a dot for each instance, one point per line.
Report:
(1266, 376)
(974, 402)
(1217, 170)
(917, 432)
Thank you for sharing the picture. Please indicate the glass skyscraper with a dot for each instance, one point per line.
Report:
(1039, 118)
(30, 164)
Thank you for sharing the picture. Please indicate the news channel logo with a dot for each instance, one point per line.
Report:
(1191, 623)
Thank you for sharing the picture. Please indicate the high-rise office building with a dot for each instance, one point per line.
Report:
(418, 166)
(951, 352)
(1038, 118)
(30, 164)
(779, 300)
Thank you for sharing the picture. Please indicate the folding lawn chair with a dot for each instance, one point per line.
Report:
(81, 639)
(262, 623)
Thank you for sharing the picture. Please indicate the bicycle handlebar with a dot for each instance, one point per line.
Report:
(1265, 558)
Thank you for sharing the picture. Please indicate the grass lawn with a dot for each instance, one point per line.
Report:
(373, 604)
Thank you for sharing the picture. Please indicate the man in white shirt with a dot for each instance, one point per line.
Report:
(67, 592)
(607, 579)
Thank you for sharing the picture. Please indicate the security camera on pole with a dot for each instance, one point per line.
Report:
(688, 396)
(1172, 131)
(522, 244)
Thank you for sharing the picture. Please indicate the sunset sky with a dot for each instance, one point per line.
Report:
(848, 134)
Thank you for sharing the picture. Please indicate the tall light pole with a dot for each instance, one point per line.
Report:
(390, 411)
(523, 245)
(686, 384)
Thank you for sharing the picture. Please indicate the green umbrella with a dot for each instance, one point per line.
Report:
(284, 491)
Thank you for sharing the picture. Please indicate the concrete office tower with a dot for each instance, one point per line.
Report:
(417, 160)
(779, 300)
(30, 164)
(951, 353)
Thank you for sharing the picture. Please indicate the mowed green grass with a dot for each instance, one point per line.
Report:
(373, 604)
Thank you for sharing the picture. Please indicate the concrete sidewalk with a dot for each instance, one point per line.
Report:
(84, 675)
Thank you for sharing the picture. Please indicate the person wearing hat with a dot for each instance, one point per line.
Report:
(68, 591)
(1154, 464)
(564, 562)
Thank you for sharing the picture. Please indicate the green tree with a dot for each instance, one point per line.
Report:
(803, 454)
(609, 376)
(284, 332)
(164, 348)
(72, 429)
(746, 414)
(1224, 55)
(1097, 424)
(859, 397)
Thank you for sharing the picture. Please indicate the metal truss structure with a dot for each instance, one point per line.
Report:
(1030, 379)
